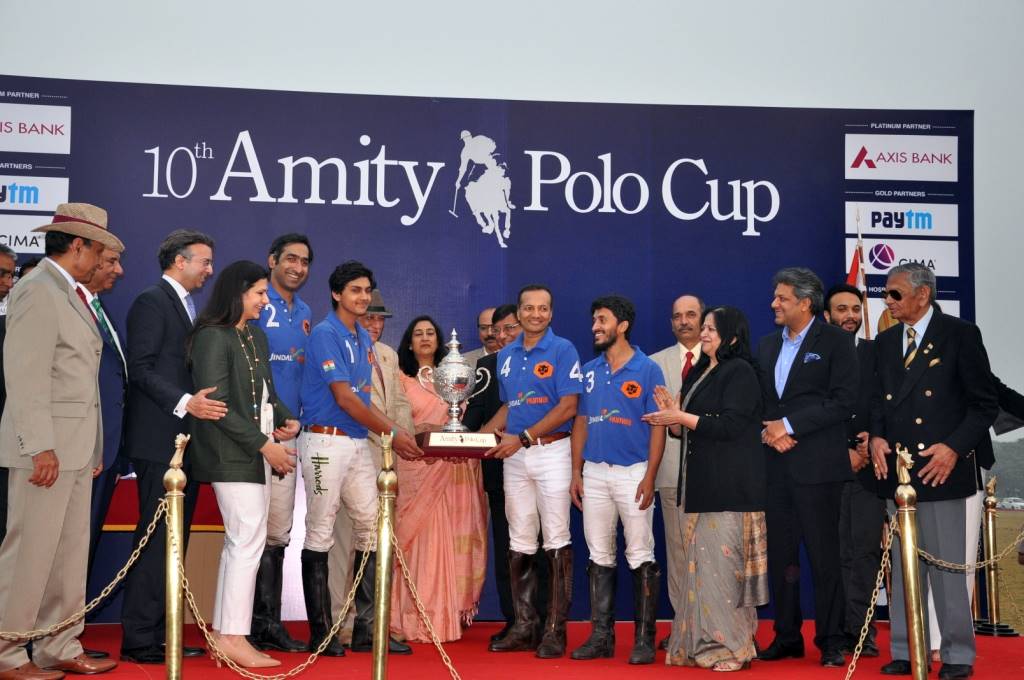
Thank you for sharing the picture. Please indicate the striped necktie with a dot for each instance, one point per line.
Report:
(911, 347)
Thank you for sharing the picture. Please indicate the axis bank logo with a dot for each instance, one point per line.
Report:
(35, 128)
(925, 158)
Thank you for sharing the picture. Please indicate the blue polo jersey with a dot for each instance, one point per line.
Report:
(335, 354)
(287, 330)
(531, 381)
(613, 404)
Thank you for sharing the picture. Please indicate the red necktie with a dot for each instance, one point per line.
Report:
(687, 366)
(85, 302)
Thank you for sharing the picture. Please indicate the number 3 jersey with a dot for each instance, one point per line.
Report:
(532, 381)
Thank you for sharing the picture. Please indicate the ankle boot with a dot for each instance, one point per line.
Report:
(318, 602)
(601, 642)
(267, 630)
(522, 636)
(552, 644)
(646, 579)
(362, 628)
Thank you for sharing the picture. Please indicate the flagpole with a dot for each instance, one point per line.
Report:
(863, 280)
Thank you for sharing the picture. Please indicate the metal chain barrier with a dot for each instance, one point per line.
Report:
(310, 660)
(953, 566)
(25, 636)
(420, 608)
(886, 557)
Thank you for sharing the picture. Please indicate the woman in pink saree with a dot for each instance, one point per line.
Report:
(442, 516)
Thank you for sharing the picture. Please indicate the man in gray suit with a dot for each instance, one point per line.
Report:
(488, 335)
(675, 362)
(51, 438)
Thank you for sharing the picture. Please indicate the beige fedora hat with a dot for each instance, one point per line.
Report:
(84, 220)
(377, 305)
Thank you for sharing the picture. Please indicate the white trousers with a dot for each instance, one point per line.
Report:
(243, 507)
(609, 493)
(975, 509)
(338, 471)
(282, 505)
(537, 496)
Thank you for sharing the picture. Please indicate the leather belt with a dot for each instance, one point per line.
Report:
(550, 438)
(324, 429)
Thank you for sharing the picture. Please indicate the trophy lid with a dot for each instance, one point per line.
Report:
(454, 344)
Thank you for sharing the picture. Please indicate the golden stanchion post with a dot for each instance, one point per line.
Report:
(387, 490)
(174, 486)
(992, 626)
(906, 517)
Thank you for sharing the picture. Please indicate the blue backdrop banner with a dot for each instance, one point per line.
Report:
(457, 203)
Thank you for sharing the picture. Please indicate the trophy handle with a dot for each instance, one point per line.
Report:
(487, 375)
(419, 377)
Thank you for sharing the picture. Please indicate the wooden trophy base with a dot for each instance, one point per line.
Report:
(455, 444)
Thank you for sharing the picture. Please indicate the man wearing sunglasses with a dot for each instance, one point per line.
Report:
(936, 398)
(488, 334)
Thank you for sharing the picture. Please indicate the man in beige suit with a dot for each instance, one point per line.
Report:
(51, 438)
(676, 361)
(389, 396)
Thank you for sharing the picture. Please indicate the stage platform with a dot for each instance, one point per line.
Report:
(1000, 659)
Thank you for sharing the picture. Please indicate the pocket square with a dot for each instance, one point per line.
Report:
(934, 362)
(811, 356)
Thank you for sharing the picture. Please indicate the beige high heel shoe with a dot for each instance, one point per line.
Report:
(239, 650)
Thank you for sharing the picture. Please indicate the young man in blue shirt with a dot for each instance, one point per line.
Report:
(337, 466)
(615, 458)
(286, 320)
(539, 383)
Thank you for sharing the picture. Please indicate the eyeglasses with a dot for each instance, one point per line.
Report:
(484, 327)
(507, 328)
(894, 294)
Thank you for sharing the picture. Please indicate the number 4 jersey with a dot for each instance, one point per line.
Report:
(532, 381)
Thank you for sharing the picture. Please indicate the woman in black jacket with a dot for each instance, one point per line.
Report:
(239, 451)
(718, 416)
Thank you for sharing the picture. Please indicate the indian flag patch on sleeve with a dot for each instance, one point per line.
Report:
(328, 366)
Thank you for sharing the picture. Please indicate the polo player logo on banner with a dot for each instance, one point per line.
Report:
(487, 191)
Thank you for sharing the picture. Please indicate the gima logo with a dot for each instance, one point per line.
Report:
(881, 256)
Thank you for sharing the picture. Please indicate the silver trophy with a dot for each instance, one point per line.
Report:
(454, 381)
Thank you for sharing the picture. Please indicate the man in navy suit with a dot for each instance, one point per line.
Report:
(809, 380)
(161, 398)
(935, 397)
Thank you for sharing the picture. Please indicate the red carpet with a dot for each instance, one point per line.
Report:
(997, 658)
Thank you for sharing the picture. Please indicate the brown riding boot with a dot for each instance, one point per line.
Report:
(552, 644)
(522, 636)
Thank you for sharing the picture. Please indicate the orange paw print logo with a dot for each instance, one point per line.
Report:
(544, 369)
(631, 389)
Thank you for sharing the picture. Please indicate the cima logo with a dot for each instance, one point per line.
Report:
(19, 194)
(882, 256)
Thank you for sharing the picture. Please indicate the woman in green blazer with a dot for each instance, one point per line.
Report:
(238, 452)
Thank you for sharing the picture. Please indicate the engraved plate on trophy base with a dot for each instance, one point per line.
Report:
(455, 444)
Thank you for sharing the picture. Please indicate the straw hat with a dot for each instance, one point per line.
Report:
(84, 220)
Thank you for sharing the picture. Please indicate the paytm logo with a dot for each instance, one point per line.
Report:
(942, 257)
(902, 219)
(32, 194)
(924, 158)
(35, 128)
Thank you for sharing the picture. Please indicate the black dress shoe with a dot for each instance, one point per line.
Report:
(192, 652)
(143, 655)
(500, 635)
(95, 653)
(900, 667)
(779, 650)
(955, 671)
(832, 658)
(663, 645)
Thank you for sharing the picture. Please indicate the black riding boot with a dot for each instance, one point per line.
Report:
(601, 642)
(552, 644)
(318, 602)
(522, 636)
(362, 628)
(646, 579)
(267, 630)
